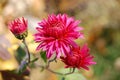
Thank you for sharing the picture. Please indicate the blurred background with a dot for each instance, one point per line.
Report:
(100, 18)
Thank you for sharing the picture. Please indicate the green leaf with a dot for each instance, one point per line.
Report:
(22, 67)
(34, 60)
(74, 76)
(63, 78)
(42, 69)
(32, 65)
(43, 56)
(20, 53)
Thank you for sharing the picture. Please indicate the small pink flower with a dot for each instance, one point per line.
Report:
(79, 58)
(57, 34)
(18, 27)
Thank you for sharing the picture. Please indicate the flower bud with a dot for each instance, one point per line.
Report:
(19, 27)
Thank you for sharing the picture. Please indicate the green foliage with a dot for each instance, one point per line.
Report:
(43, 56)
(74, 76)
(31, 64)
(100, 66)
(20, 53)
(22, 67)
(42, 69)
(34, 60)
(105, 67)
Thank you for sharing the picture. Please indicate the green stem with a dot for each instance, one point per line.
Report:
(54, 59)
(63, 74)
(27, 50)
(58, 73)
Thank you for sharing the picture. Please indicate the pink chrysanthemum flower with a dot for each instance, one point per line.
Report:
(57, 34)
(80, 58)
(19, 27)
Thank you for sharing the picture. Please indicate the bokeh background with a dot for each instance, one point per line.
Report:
(101, 22)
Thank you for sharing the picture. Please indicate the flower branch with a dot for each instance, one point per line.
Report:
(48, 64)
(54, 59)
(56, 35)
(26, 50)
(52, 71)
